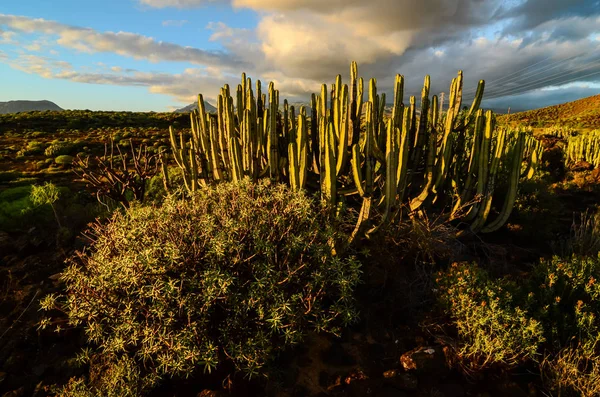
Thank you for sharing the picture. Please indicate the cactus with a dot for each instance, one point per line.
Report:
(449, 166)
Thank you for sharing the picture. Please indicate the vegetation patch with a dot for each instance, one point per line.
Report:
(232, 276)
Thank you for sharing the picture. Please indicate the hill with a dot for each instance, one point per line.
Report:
(27, 106)
(582, 113)
(209, 108)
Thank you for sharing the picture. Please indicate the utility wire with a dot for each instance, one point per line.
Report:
(528, 75)
(541, 81)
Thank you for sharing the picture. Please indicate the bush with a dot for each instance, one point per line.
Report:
(64, 160)
(59, 148)
(565, 296)
(492, 328)
(555, 311)
(233, 275)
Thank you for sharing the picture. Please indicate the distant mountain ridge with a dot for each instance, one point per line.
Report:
(27, 106)
(189, 108)
(583, 113)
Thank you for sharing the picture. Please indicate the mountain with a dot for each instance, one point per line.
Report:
(27, 106)
(188, 109)
(582, 113)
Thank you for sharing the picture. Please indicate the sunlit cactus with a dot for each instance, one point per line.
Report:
(384, 164)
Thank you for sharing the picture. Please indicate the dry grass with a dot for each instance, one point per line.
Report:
(574, 371)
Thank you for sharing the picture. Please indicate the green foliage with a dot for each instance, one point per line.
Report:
(565, 295)
(453, 164)
(235, 274)
(554, 311)
(47, 193)
(112, 377)
(18, 211)
(492, 328)
(64, 160)
(59, 148)
(32, 148)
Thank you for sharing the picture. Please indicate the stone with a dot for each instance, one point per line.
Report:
(424, 359)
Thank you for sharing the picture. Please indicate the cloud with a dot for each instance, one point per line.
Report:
(519, 47)
(123, 43)
(174, 23)
(183, 87)
(7, 37)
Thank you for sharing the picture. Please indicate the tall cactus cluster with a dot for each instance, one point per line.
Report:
(584, 147)
(348, 147)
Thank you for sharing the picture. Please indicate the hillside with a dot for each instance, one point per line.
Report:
(27, 106)
(582, 113)
(209, 108)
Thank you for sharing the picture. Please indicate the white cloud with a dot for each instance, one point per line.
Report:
(183, 87)
(123, 43)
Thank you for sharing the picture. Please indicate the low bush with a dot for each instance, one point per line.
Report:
(231, 276)
(553, 313)
(64, 160)
(59, 148)
(492, 328)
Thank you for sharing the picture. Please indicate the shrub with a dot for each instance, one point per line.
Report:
(565, 296)
(492, 328)
(233, 275)
(59, 148)
(555, 311)
(64, 160)
(573, 371)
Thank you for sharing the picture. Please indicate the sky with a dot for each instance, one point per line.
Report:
(144, 55)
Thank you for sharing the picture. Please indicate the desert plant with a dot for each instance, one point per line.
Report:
(64, 160)
(492, 328)
(59, 148)
(48, 194)
(118, 177)
(423, 163)
(573, 371)
(235, 274)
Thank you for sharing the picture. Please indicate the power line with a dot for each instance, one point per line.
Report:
(537, 72)
(541, 81)
(561, 83)
(523, 88)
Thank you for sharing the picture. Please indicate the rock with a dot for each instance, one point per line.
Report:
(401, 380)
(424, 359)
(2, 377)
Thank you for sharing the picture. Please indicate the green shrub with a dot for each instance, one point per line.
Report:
(233, 275)
(33, 148)
(59, 148)
(492, 328)
(554, 312)
(565, 295)
(17, 211)
(64, 160)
